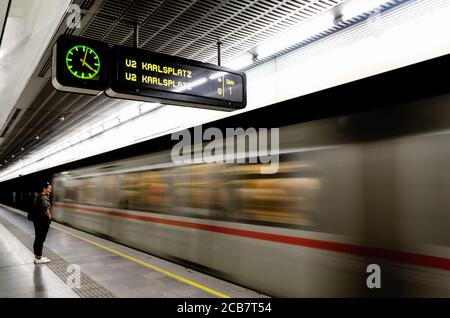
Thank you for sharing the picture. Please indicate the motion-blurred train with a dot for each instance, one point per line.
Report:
(363, 187)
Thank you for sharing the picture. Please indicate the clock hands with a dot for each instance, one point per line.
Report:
(84, 60)
(88, 66)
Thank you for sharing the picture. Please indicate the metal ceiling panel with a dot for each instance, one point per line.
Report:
(191, 29)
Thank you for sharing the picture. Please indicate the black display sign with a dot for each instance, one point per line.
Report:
(143, 75)
(79, 65)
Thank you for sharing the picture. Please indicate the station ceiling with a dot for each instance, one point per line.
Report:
(191, 28)
(185, 28)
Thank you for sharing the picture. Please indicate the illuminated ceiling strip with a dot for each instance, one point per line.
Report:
(87, 133)
(355, 8)
(308, 30)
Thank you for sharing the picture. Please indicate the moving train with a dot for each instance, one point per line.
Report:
(359, 188)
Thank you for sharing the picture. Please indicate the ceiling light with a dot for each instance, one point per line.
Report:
(128, 115)
(111, 123)
(240, 61)
(22, 148)
(84, 136)
(37, 137)
(296, 35)
(354, 8)
(146, 107)
(61, 118)
(96, 130)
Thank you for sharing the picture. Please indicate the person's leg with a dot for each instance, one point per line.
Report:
(37, 247)
(41, 229)
(38, 244)
(45, 228)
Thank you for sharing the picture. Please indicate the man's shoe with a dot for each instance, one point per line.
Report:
(41, 260)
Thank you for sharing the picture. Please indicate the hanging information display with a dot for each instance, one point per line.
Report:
(142, 75)
(85, 66)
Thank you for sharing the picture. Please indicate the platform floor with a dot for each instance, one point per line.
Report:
(107, 269)
(19, 277)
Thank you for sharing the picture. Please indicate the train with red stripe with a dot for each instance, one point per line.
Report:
(311, 229)
(363, 178)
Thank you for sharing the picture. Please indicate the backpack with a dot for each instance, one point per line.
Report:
(30, 214)
(32, 211)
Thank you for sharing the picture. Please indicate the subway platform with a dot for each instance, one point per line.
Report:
(86, 266)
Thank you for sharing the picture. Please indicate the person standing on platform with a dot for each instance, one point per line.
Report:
(41, 219)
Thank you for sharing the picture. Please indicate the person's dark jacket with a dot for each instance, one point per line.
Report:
(40, 206)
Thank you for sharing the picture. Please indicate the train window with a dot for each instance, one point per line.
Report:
(87, 191)
(283, 198)
(199, 189)
(156, 190)
(132, 191)
(107, 190)
(57, 190)
(70, 193)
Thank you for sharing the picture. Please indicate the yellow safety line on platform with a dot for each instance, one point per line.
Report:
(182, 279)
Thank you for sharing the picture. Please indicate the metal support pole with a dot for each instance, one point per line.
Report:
(219, 52)
(136, 35)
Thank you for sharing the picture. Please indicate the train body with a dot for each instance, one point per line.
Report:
(344, 197)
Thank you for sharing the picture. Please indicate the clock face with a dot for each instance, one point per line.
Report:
(83, 62)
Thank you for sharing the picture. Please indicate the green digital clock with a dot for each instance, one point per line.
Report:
(83, 62)
(79, 65)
